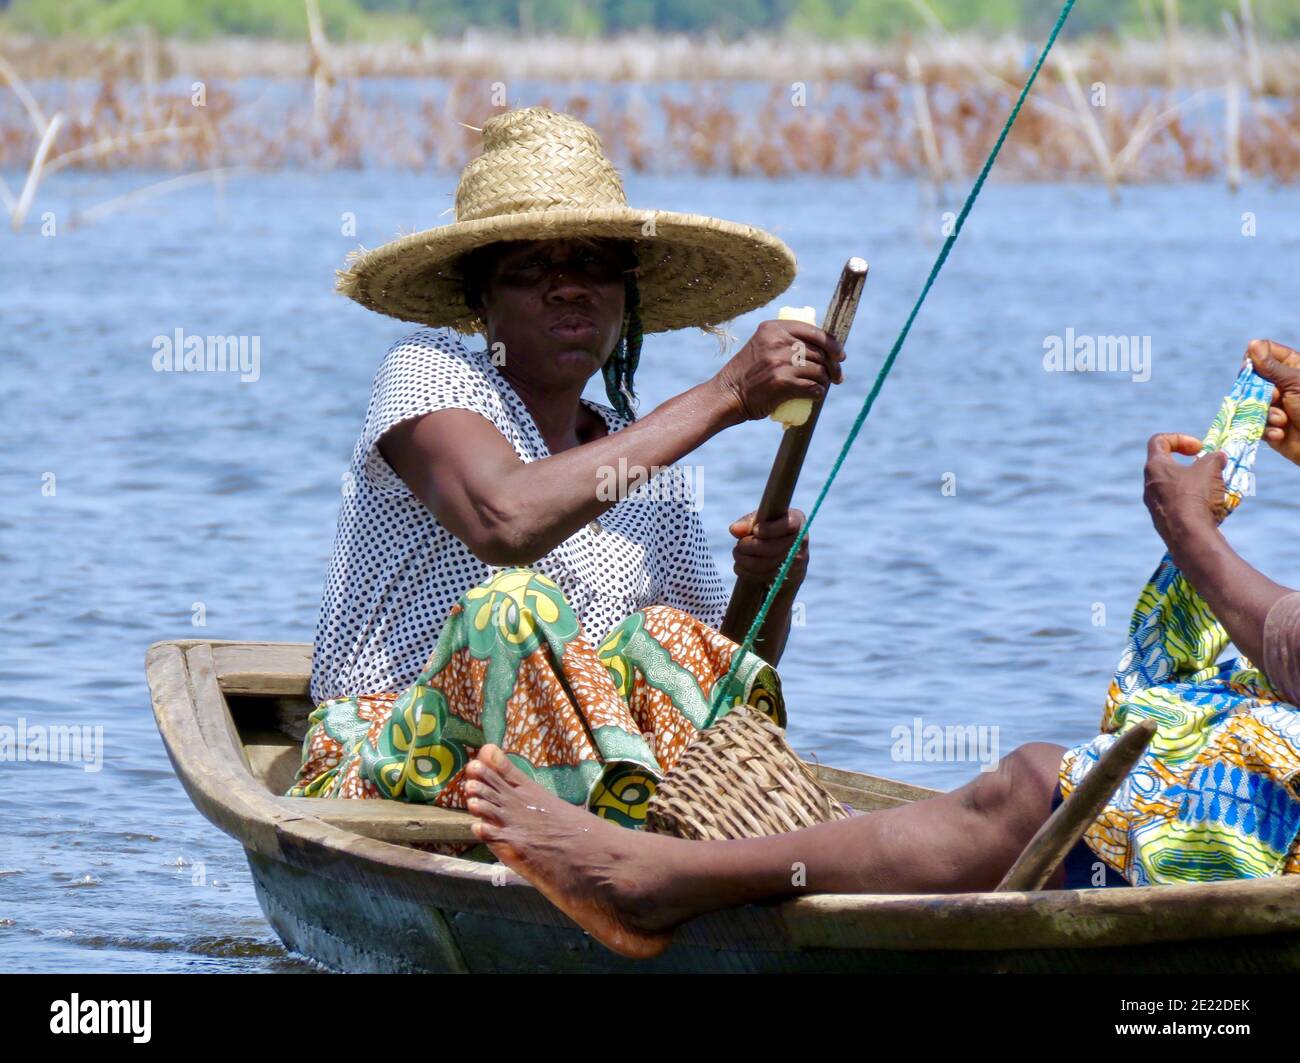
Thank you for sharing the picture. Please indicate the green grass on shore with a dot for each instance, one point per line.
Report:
(366, 20)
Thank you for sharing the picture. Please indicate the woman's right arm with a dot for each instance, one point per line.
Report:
(511, 513)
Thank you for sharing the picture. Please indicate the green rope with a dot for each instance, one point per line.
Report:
(754, 628)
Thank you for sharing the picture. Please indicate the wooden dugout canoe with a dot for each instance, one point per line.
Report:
(339, 883)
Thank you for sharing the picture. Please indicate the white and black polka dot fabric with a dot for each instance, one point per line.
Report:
(396, 572)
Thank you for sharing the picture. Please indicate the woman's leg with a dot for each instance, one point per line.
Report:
(629, 888)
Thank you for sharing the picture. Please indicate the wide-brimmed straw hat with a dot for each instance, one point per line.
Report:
(543, 175)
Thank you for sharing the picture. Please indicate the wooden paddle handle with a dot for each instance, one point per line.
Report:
(748, 595)
(1067, 824)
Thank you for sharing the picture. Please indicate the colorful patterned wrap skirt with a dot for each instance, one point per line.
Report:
(1215, 795)
(597, 726)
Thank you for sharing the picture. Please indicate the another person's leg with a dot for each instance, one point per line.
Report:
(629, 888)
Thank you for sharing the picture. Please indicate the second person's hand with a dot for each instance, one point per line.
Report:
(1281, 366)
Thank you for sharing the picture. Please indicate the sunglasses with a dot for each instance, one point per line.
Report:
(592, 264)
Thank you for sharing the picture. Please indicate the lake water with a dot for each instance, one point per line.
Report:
(975, 562)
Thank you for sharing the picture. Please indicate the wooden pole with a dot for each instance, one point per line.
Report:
(925, 124)
(1067, 824)
(1233, 133)
(319, 68)
(149, 73)
(748, 595)
(19, 213)
(1173, 45)
(1088, 121)
(1250, 45)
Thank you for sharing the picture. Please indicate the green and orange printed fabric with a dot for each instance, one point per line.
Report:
(598, 727)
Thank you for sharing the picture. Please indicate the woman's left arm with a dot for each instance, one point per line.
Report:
(1186, 503)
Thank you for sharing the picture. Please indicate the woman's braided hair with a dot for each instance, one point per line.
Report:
(620, 367)
(619, 370)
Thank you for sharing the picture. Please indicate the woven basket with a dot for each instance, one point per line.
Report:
(739, 779)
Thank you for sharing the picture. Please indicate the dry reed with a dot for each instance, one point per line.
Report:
(928, 107)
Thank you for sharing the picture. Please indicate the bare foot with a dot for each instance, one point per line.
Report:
(608, 879)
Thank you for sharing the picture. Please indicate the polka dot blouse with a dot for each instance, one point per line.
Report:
(396, 572)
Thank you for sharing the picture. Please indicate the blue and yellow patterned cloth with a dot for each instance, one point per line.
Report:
(1214, 795)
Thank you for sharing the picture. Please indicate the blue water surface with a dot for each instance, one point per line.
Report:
(974, 564)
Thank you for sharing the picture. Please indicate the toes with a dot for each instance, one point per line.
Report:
(481, 779)
(484, 811)
(484, 831)
(495, 758)
(479, 769)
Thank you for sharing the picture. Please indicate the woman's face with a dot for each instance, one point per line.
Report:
(559, 302)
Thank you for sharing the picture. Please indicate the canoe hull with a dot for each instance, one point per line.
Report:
(339, 884)
(349, 927)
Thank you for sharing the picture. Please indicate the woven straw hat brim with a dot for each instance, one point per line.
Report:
(694, 270)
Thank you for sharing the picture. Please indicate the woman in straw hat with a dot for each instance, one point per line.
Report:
(500, 520)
